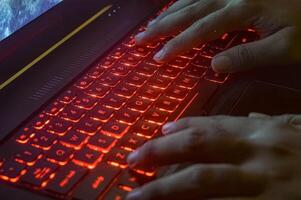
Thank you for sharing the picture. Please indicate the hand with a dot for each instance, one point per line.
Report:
(255, 158)
(201, 21)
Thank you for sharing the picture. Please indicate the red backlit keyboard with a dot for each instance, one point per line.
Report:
(76, 147)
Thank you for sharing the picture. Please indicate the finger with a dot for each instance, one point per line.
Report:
(259, 115)
(271, 51)
(202, 181)
(294, 120)
(202, 31)
(192, 145)
(176, 22)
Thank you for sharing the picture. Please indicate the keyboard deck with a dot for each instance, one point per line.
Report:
(76, 146)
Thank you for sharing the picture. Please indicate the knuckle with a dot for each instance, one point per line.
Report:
(245, 55)
(199, 174)
(194, 139)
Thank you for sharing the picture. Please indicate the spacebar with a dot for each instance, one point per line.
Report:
(95, 183)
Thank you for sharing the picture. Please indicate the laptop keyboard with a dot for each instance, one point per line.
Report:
(76, 147)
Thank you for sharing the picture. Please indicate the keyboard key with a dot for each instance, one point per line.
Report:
(129, 60)
(194, 71)
(74, 139)
(88, 126)
(118, 52)
(125, 90)
(11, 171)
(66, 178)
(190, 54)
(131, 142)
(109, 79)
(186, 81)
(73, 114)
(116, 194)
(216, 77)
(179, 63)
(166, 104)
(59, 154)
(114, 129)
(127, 116)
(84, 82)
(28, 155)
(39, 174)
(135, 79)
(139, 104)
(24, 135)
(153, 45)
(151, 93)
(101, 113)
(43, 140)
(177, 93)
(93, 185)
(107, 62)
(120, 70)
(96, 72)
(159, 82)
(87, 157)
(152, 62)
(59, 127)
(117, 158)
(146, 70)
(129, 180)
(202, 61)
(101, 143)
(86, 103)
(68, 96)
(129, 42)
(156, 116)
(140, 52)
(210, 50)
(40, 121)
(145, 129)
(97, 90)
(54, 108)
(170, 72)
(113, 101)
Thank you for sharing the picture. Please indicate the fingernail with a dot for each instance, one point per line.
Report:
(167, 128)
(134, 195)
(222, 64)
(132, 158)
(140, 36)
(152, 22)
(160, 55)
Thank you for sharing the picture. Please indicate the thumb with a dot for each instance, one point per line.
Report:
(270, 51)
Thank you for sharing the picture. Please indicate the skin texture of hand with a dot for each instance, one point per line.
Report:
(199, 21)
(255, 158)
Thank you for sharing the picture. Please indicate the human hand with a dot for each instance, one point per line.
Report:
(201, 21)
(255, 158)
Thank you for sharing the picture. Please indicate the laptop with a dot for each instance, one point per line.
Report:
(77, 95)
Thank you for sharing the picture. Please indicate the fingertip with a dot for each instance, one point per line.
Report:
(134, 195)
(168, 128)
(222, 64)
(160, 56)
(139, 38)
(132, 159)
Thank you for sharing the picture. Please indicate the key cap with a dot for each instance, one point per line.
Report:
(101, 143)
(129, 179)
(131, 142)
(113, 101)
(152, 62)
(59, 154)
(11, 171)
(185, 81)
(159, 82)
(177, 93)
(125, 90)
(140, 52)
(129, 42)
(153, 45)
(72, 113)
(24, 135)
(146, 70)
(87, 158)
(194, 71)
(86, 103)
(66, 178)
(74, 139)
(216, 77)
(68, 96)
(117, 157)
(101, 113)
(107, 62)
(156, 116)
(28, 155)
(96, 72)
(59, 126)
(115, 129)
(179, 63)
(88, 126)
(54, 108)
(135, 79)
(166, 104)
(39, 174)
(169, 72)
(120, 70)
(190, 54)
(118, 52)
(40, 121)
(84, 82)
(127, 116)
(145, 129)
(97, 90)
(116, 194)
(201, 61)
(95, 183)
(139, 104)
(210, 50)
(43, 140)
(129, 60)
(109, 79)
(150, 93)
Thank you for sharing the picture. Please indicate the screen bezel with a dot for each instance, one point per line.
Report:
(36, 37)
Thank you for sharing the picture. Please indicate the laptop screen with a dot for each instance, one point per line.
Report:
(14, 14)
